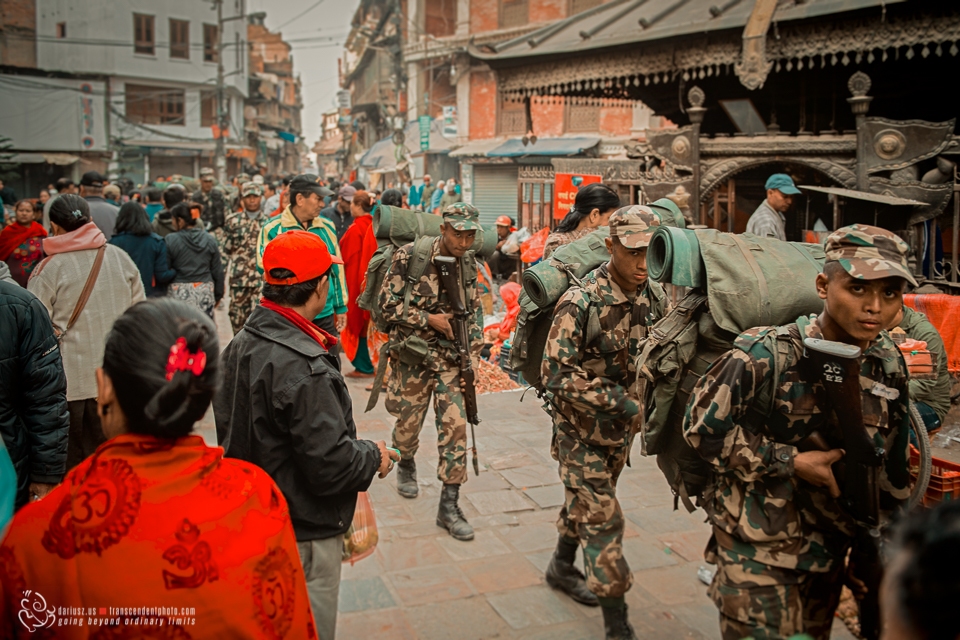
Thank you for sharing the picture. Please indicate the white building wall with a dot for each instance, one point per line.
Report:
(100, 39)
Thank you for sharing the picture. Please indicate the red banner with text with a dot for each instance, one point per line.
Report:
(565, 187)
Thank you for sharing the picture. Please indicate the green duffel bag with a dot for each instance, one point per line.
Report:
(402, 226)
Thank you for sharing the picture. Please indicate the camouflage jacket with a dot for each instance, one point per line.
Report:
(214, 207)
(427, 297)
(759, 509)
(238, 244)
(594, 386)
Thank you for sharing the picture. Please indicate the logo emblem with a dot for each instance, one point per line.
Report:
(34, 613)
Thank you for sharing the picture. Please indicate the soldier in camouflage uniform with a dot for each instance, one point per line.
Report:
(780, 536)
(590, 376)
(213, 201)
(423, 361)
(238, 244)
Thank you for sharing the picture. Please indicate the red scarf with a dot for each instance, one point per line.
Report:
(323, 338)
(16, 234)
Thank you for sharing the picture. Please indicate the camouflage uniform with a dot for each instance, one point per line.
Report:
(595, 406)
(779, 542)
(410, 386)
(238, 244)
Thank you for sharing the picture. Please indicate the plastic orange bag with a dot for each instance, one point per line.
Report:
(361, 538)
(532, 249)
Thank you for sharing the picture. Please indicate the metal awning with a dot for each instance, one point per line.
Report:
(477, 148)
(865, 195)
(41, 158)
(514, 147)
(383, 155)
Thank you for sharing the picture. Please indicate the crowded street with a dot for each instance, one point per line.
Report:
(429, 320)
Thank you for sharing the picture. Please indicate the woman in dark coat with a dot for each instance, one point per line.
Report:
(148, 251)
(194, 254)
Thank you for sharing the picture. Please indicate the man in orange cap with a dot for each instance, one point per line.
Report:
(285, 407)
(502, 264)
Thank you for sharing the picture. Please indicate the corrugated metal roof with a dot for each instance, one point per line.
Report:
(621, 22)
(865, 195)
(514, 147)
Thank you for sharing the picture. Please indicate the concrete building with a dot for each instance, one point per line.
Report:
(274, 102)
(329, 148)
(141, 77)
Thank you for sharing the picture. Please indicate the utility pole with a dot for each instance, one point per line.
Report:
(220, 159)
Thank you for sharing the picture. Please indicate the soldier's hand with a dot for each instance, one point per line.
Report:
(814, 467)
(441, 322)
(387, 457)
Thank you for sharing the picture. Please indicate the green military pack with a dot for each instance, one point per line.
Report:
(395, 227)
(730, 279)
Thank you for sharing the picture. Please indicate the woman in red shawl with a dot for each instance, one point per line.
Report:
(20, 244)
(357, 247)
(155, 518)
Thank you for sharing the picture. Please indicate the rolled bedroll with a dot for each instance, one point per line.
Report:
(749, 281)
(544, 282)
(402, 226)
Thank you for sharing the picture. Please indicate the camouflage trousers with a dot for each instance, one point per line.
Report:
(408, 397)
(591, 513)
(766, 603)
(243, 300)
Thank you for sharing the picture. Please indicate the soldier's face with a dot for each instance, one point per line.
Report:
(857, 310)
(457, 242)
(251, 202)
(627, 266)
(206, 185)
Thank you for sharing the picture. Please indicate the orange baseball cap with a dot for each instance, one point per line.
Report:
(302, 252)
(504, 221)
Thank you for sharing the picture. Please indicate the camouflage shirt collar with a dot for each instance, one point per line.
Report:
(609, 290)
(882, 347)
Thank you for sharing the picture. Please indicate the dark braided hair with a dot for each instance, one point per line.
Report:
(593, 196)
(135, 358)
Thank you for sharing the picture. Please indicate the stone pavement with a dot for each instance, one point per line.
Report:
(420, 583)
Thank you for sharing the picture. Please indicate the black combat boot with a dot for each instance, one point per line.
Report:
(562, 575)
(449, 515)
(615, 622)
(407, 478)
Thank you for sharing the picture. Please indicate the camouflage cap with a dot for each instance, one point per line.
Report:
(633, 226)
(251, 189)
(869, 253)
(462, 216)
(206, 171)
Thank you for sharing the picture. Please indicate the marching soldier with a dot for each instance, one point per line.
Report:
(780, 535)
(423, 359)
(238, 243)
(212, 198)
(590, 375)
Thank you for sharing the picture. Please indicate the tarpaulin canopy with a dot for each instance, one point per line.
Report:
(384, 155)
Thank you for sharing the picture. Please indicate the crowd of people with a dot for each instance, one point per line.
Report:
(107, 300)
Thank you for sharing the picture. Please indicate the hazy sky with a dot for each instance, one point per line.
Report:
(317, 38)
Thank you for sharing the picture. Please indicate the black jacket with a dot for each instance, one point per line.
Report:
(284, 407)
(341, 221)
(195, 257)
(34, 421)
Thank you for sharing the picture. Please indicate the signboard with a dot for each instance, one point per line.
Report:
(343, 99)
(424, 133)
(565, 187)
(449, 121)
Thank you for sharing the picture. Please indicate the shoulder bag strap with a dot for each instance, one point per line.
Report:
(87, 287)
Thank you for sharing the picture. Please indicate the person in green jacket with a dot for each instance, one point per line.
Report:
(931, 397)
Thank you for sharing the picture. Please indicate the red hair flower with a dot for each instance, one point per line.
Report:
(180, 359)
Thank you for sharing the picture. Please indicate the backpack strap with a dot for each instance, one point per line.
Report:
(786, 340)
(671, 325)
(417, 267)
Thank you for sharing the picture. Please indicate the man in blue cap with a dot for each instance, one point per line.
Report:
(769, 221)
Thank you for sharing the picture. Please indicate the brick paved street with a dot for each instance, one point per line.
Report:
(420, 583)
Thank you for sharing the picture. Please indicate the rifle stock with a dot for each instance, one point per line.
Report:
(837, 365)
(450, 281)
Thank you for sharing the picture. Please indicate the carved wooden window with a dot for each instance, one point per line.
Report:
(583, 118)
(514, 13)
(180, 39)
(576, 6)
(143, 34)
(512, 118)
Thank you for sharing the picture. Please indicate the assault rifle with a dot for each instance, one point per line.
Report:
(450, 281)
(837, 365)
